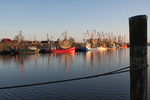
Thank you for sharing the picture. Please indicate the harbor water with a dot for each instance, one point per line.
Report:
(29, 69)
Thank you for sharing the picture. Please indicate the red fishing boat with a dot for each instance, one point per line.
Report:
(124, 46)
(63, 46)
(63, 50)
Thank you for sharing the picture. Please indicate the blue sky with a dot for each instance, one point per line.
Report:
(38, 17)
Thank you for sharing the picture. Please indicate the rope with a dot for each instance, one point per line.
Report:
(122, 70)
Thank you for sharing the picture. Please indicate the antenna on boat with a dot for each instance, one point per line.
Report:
(88, 34)
(94, 33)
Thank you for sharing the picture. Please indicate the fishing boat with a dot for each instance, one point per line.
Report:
(92, 48)
(123, 46)
(111, 45)
(89, 47)
(91, 44)
(84, 49)
(102, 48)
(57, 50)
(63, 46)
(72, 49)
(81, 49)
(24, 49)
(29, 50)
(122, 42)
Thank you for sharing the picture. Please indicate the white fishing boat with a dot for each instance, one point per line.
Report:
(102, 48)
(89, 48)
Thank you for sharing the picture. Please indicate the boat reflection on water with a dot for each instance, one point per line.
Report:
(64, 59)
(98, 58)
(58, 66)
(20, 60)
(90, 58)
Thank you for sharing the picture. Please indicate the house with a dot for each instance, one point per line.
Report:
(6, 40)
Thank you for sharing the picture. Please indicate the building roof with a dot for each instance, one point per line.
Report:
(6, 40)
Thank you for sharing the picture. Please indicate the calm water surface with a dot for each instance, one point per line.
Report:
(27, 69)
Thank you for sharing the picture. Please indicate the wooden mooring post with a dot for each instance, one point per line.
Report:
(138, 57)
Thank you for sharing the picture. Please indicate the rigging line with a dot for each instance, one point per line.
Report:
(73, 79)
(129, 70)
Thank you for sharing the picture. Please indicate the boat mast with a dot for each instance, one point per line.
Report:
(34, 38)
(66, 37)
(84, 38)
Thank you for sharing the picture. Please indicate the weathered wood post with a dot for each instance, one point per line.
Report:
(138, 57)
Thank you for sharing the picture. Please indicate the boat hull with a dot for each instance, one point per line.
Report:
(27, 51)
(81, 49)
(61, 50)
(124, 46)
(102, 48)
(111, 47)
(92, 49)
(97, 48)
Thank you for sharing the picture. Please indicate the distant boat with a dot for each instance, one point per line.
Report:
(91, 43)
(102, 48)
(81, 49)
(89, 48)
(123, 46)
(27, 51)
(84, 49)
(30, 50)
(92, 49)
(111, 46)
